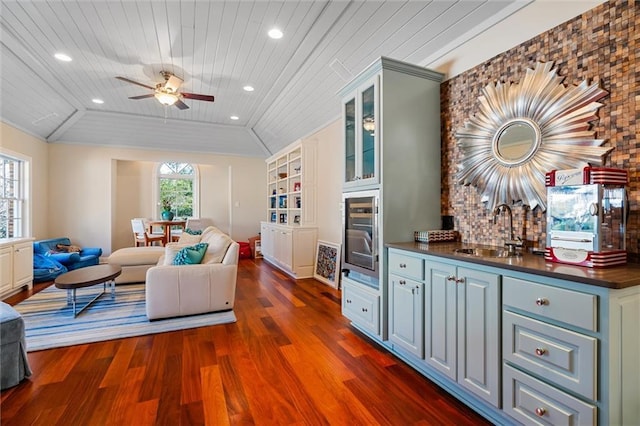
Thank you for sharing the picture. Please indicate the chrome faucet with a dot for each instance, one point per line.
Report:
(512, 242)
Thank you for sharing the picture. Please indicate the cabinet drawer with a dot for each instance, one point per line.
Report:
(406, 265)
(559, 355)
(361, 305)
(531, 401)
(569, 306)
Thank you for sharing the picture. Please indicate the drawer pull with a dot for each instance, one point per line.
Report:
(541, 301)
(364, 310)
(540, 351)
(540, 411)
(403, 265)
(451, 278)
(460, 280)
(402, 282)
(348, 300)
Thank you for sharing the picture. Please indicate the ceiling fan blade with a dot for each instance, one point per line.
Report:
(150, 95)
(181, 105)
(135, 82)
(197, 97)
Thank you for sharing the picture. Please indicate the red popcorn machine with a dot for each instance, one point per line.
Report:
(586, 216)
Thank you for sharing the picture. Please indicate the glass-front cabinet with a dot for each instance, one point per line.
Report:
(361, 133)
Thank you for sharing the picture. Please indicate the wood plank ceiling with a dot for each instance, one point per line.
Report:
(217, 47)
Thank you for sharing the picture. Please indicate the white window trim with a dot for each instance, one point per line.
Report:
(155, 190)
(25, 187)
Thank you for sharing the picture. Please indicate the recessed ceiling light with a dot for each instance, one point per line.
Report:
(62, 57)
(248, 88)
(234, 117)
(97, 101)
(275, 33)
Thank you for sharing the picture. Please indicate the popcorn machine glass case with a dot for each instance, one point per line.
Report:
(586, 217)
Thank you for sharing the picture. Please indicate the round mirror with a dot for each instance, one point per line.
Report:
(520, 133)
(516, 141)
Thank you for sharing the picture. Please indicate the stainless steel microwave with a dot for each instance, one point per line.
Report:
(360, 232)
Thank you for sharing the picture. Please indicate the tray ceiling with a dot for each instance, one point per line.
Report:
(217, 48)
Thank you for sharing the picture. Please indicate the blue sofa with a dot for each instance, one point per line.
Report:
(88, 256)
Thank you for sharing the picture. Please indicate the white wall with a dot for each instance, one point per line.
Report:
(35, 149)
(98, 189)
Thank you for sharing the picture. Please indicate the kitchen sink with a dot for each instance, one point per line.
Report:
(486, 252)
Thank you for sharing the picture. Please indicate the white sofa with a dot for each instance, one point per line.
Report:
(210, 286)
(135, 261)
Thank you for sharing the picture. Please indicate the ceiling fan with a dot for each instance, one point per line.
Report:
(167, 93)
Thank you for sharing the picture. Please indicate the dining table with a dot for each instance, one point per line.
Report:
(166, 226)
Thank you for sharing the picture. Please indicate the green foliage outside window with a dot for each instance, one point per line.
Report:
(176, 188)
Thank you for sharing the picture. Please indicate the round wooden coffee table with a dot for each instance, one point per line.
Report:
(86, 277)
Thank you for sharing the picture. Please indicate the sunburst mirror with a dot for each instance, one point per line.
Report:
(521, 131)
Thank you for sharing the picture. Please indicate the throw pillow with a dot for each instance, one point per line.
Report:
(193, 231)
(63, 248)
(191, 255)
(218, 245)
(186, 238)
(170, 252)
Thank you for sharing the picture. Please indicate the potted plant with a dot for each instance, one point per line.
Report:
(166, 203)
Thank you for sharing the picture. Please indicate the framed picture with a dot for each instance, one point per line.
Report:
(327, 264)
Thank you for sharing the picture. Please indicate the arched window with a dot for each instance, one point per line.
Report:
(177, 186)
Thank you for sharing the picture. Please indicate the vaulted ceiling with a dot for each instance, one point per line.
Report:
(216, 47)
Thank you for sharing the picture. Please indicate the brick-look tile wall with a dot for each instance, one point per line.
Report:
(602, 44)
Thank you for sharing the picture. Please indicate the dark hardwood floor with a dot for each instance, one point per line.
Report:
(291, 358)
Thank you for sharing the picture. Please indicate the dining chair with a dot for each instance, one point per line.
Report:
(149, 228)
(141, 236)
(198, 224)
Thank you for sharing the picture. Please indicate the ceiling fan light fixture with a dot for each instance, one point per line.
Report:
(166, 98)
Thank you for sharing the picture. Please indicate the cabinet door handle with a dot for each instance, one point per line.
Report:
(460, 280)
(540, 411)
(451, 278)
(348, 300)
(403, 265)
(541, 301)
(364, 310)
(540, 351)
(402, 282)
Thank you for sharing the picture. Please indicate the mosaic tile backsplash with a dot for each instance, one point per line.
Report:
(600, 45)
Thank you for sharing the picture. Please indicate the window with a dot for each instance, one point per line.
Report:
(13, 196)
(178, 184)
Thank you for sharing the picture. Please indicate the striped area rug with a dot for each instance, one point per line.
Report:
(49, 321)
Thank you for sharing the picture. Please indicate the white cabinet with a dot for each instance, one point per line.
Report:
(361, 133)
(361, 304)
(462, 326)
(406, 301)
(6, 269)
(406, 322)
(288, 236)
(292, 249)
(391, 145)
(291, 185)
(22, 264)
(570, 352)
(449, 315)
(16, 265)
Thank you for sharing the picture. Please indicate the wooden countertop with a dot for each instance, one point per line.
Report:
(616, 277)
